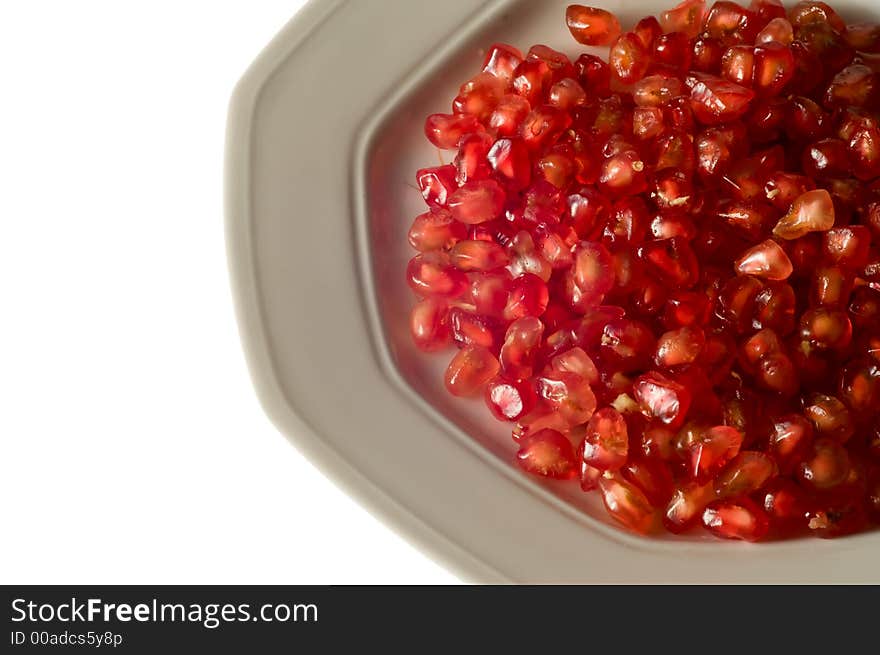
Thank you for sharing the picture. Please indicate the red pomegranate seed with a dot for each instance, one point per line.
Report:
(606, 441)
(686, 505)
(677, 347)
(766, 260)
(429, 324)
(591, 276)
(501, 61)
(777, 30)
(740, 519)
(477, 201)
(591, 26)
(745, 474)
(830, 417)
(508, 115)
(672, 260)
(731, 24)
(470, 370)
(547, 453)
(509, 158)
(475, 329)
(531, 79)
(468, 255)
(510, 400)
(446, 130)
(738, 64)
(527, 296)
(521, 344)
(662, 398)
(712, 449)
(629, 58)
(568, 394)
(479, 96)
(806, 13)
(627, 504)
(847, 247)
(432, 274)
(576, 361)
(812, 211)
(707, 54)
(786, 504)
(435, 230)
(716, 100)
(627, 344)
(543, 125)
(826, 328)
(685, 17)
(826, 466)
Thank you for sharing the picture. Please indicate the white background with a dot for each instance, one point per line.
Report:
(133, 448)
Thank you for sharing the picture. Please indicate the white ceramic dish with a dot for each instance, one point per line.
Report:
(324, 133)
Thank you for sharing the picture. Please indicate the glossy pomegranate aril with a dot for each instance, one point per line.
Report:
(738, 64)
(826, 465)
(568, 394)
(678, 347)
(766, 260)
(847, 247)
(716, 100)
(435, 230)
(446, 130)
(475, 329)
(812, 211)
(591, 26)
(712, 450)
(830, 417)
(674, 50)
(686, 505)
(501, 61)
(707, 55)
(807, 13)
(627, 504)
(467, 255)
(685, 17)
(432, 274)
(740, 519)
(527, 296)
(826, 328)
(786, 504)
(662, 398)
(479, 96)
(627, 344)
(864, 37)
(477, 201)
(777, 30)
(774, 68)
(531, 79)
(628, 58)
(509, 159)
(605, 445)
(510, 400)
(543, 125)
(429, 324)
(591, 276)
(508, 115)
(746, 473)
(470, 370)
(521, 344)
(672, 260)
(547, 453)
(775, 307)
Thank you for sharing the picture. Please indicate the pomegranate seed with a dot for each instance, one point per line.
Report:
(746, 473)
(432, 274)
(435, 230)
(673, 260)
(467, 255)
(531, 79)
(543, 125)
(474, 329)
(568, 394)
(628, 59)
(847, 247)
(651, 477)
(707, 54)
(446, 130)
(716, 100)
(591, 276)
(662, 398)
(738, 64)
(627, 504)
(807, 13)
(648, 30)
(436, 184)
(673, 50)
(575, 360)
(429, 324)
(559, 64)
(508, 115)
(775, 307)
(766, 260)
(501, 61)
(606, 442)
(774, 68)
(677, 347)
(826, 328)
(477, 201)
(567, 94)
(830, 417)
(594, 75)
(656, 90)
(685, 17)
(479, 96)
(591, 26)
(790, 441)
(712, 449)
(627, 344)
(686, 506)
(527, 296)
(827, 465)
(509, 158)
(786, 504)
(812, 211)
(778, 30)
(510, 400)
(547, 453)
(740, 519)
(520, 347)
(826, 158)
(470, 370)
(864, 37)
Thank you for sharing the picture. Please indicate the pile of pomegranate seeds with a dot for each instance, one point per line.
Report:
(664, 269)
